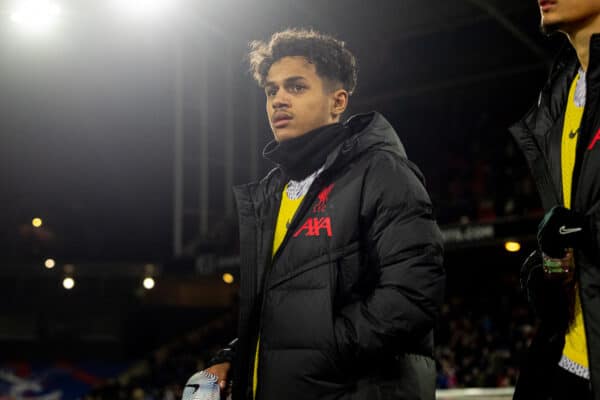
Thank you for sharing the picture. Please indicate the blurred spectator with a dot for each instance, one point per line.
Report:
(481, 340)
(485, 178)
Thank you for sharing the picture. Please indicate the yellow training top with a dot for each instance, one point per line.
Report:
(575, 349)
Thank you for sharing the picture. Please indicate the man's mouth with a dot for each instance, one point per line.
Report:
(546, 5)
(280, 120)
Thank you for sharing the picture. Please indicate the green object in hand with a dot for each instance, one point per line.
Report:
(553, 266)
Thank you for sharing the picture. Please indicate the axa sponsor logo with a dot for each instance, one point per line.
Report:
(594, 140)
(315, 226)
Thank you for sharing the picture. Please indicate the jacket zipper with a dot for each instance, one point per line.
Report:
(304, 206)
(249, 284)
(266, 262)
(260, 239)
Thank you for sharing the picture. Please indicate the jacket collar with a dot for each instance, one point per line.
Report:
(369, 130)
(551, 102)
(299, 157)
(539, 130)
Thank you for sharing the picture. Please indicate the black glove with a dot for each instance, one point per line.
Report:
(560, 229)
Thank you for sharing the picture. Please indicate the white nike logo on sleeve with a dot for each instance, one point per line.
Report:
(563, 230)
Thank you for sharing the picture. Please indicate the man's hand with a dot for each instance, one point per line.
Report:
(560, 230)
(222, 373)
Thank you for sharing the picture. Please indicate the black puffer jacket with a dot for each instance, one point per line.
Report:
(346, 308)
(539, 136)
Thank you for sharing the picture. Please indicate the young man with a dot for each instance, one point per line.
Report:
(341, 258)
(559, 137)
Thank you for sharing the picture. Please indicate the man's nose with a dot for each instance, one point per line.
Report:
(281, 100)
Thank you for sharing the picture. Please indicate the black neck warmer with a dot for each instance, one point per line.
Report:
(303, 155)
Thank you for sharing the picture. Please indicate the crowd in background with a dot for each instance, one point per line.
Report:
(163, 374)
(484, 177)
(480, 341)
(482, 348)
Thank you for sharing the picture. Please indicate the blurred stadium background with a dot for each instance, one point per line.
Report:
(124, 124)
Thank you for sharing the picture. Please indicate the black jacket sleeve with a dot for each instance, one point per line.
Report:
(404, 245)
(227, 354)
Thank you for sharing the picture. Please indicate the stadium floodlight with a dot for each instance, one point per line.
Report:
(49, 263)
(228, 278)
(37, 222)
(142, 8)
(512, 246)
(69, 283)
(149, 283)
(36, 15)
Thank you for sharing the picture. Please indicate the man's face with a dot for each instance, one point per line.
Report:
(563, 15)
(297, 99)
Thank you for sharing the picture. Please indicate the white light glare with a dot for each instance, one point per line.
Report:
(49, 263)
(142, 8)
(148, 283)
(36, 15)
(68, 283)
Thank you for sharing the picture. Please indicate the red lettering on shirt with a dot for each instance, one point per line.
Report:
(594, 140)
(313, 227)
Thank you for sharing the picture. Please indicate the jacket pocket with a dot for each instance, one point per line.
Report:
(347, 273)
(333, 352)
(297, 312)
(595, 236)
(354, 280)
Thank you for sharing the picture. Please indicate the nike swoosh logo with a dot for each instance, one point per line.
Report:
(563, 230)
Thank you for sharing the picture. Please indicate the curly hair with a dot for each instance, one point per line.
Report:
(332, 60)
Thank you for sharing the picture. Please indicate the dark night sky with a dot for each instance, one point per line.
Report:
(86, 113)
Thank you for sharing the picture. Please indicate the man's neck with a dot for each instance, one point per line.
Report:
(579, 35)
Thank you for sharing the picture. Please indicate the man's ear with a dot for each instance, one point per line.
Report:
(339, 103)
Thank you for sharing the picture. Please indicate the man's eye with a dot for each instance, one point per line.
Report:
(271, 91)
(296, 88)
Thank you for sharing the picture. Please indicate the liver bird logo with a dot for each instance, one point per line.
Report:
(322, 199)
